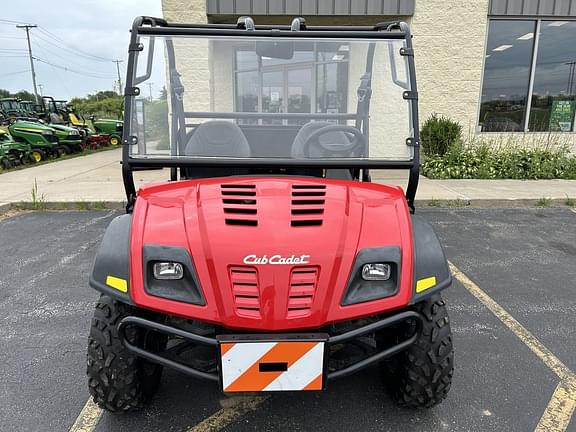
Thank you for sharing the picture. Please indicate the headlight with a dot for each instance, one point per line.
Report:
(74, 133)
(168, 271)
(48, 132)
(119, 125)
(375, 275)
(376, 272)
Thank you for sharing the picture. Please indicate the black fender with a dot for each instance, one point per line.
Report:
(111, 271)
(431, 271)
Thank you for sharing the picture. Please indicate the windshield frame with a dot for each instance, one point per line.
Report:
(147, 26)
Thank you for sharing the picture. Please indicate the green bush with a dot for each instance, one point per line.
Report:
(485, 162)
(439, 134)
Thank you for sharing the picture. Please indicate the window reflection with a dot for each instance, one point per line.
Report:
(553, 99)
(315, 79)
(506, 75)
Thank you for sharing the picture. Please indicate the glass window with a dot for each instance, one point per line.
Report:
(313, 79)
(553, 98)
(507, 75)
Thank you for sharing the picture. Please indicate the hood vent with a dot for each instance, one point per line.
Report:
(302, 289)
(246, 292)
(239, 204)
(308, 205)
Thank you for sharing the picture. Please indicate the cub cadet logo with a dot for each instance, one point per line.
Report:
(276, 259)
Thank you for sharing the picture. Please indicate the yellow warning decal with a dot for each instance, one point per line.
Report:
(424, 284)
(117, 283)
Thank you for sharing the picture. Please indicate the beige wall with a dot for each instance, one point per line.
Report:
(449, 40)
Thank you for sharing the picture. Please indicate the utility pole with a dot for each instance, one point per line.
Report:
(27, 27)
(150, 89)
(40, 86)
(119, 78)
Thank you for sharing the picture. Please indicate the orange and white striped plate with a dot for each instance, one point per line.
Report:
(272, 366)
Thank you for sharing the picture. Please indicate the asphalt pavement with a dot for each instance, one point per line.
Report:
(522, 258)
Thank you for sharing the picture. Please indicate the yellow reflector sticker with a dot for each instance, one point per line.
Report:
(119, 284)
(424, 284)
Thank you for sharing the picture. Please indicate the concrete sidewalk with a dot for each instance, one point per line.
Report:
(98, 178)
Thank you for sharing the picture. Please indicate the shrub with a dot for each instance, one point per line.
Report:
(439, 134)
(485, 162)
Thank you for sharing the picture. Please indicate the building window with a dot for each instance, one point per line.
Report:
(554, 78)
(529, 77)
(310, 82)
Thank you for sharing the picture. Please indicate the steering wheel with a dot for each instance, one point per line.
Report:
(357, 141)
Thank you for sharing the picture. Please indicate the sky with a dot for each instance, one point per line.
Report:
(75, 44)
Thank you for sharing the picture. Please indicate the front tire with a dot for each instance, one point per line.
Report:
(118, 380)
(422, 375)
(114, 140)
(39, 155)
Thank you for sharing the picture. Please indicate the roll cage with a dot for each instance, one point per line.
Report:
(149, 26)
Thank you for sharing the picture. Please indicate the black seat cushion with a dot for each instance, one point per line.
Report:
(221, 139)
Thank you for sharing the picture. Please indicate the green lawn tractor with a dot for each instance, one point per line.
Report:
(11, 108)
(69, 138)
(30, 109)
(110, 127)
(42, 139)
(91, 139)
(14, 153)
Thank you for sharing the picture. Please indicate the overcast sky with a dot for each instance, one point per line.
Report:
(99, 29)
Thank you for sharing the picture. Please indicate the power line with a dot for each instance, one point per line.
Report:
(28, 27)
(5, 21)
(42, 47)
(84, 53)
(15, 73)
(70, 70)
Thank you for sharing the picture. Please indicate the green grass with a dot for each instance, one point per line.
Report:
(544, 202)
(38, 199)
(570, 202)
(457, 203)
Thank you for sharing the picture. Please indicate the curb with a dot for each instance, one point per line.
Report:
(420, 204)
(62, 206)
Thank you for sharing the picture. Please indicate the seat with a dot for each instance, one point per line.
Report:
(299, 151)
(221, 139)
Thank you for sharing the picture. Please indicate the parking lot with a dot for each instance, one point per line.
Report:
(512, 308)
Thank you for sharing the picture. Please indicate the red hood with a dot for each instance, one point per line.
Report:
(271, 253)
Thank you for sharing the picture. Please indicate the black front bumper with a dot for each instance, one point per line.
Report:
(399, 318)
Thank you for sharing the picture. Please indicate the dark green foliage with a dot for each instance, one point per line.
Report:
(439, 134)
(485, 162)
(104, 104)
(22, 94)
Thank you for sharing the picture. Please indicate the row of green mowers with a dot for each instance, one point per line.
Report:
(51, 130)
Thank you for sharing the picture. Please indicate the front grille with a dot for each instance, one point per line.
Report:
(239, 203)
(307, 205)
(246, 291)
(303, 282)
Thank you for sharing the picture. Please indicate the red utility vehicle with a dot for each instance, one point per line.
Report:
(270, 261)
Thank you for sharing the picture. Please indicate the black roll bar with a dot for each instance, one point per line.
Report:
(159, 27)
